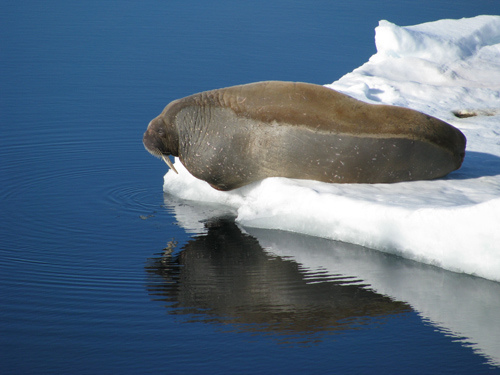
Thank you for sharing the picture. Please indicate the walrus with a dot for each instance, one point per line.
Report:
(233, 136)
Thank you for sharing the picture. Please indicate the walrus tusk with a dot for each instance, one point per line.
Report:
(169, 163)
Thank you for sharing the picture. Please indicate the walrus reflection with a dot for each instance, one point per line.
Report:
(225, 276)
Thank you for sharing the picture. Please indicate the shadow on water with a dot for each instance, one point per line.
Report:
(476, 165)
(225, 276)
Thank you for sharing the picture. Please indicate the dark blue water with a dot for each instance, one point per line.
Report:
(97, 275)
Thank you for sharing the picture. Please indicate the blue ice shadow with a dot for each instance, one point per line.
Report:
(476, 165)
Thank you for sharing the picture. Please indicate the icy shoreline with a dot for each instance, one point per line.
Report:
(440, 68)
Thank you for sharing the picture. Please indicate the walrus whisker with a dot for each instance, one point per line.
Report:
(169, 163)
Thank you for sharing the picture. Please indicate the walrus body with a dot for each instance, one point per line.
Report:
(237, 135)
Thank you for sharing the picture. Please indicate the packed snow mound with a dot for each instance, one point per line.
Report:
(438, 42)
(449, 69)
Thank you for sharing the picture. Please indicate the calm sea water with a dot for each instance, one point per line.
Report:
(98, 274)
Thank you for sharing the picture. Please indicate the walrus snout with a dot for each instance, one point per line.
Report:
(154, 140)
(151, 143)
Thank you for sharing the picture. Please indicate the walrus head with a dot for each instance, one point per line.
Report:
(161, 139)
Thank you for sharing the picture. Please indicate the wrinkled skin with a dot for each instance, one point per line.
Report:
(237, 135)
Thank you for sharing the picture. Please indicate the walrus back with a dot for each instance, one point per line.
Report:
(326, 110)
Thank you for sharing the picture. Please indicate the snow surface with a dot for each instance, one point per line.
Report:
(440, 68)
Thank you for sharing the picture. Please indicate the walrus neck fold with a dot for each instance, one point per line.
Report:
(172, 142)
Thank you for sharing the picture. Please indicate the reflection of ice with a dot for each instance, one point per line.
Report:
(460, 305)
(464, 305)
(440, 68)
